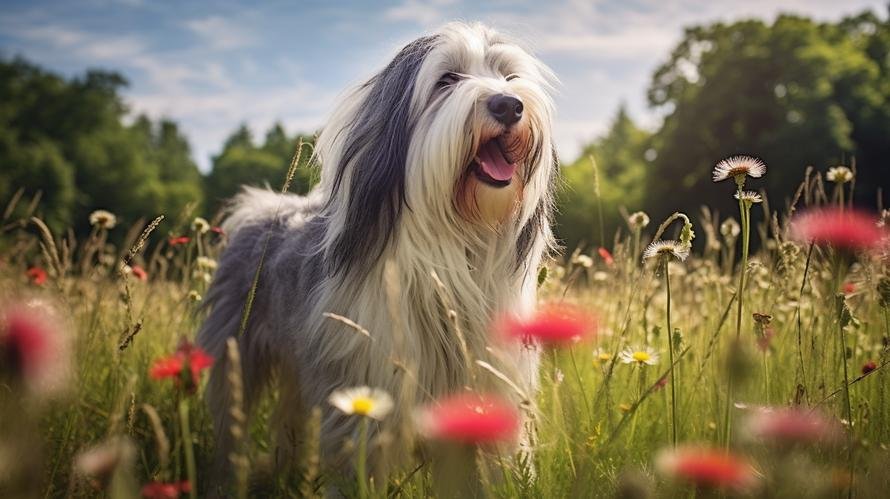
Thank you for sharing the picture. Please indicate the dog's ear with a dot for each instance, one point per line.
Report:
(373, 162)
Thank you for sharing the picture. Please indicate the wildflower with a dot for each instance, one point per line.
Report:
(869, 367)
(839, 175)
(730, 228)
(469, 418)
(583, 260)
(185, 365)
(638, 220)
(849, 288)
(606, 256)
(706, 468)
(218, 230)
(204, 262)
(162, 490)
(554, 324)
(36, 275)
(601, 355)
(139, 273)
(848, 230)
(194, 296)
(32, 347)
(666, 248)
(176, 241)
(103, 219)
(600, 276)
(738, 167)
(647, 356)
(200, 225)
(790, 426)
(748, 197)
(362, 400)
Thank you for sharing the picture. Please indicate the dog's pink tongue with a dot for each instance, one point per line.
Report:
(493, 162)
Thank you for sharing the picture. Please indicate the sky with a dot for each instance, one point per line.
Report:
(213, 65)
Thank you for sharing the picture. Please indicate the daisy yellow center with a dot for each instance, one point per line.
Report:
(605, 356)
(641, 356)
(362, 406)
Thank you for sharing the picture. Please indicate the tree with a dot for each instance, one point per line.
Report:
(621, 173)
(241, 162)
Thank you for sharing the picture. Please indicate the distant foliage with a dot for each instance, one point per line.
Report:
(68, 140)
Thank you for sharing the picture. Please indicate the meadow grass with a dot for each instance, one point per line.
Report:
(599, 421)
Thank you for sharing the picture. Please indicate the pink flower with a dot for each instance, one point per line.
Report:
(848, 230)
(176, 241)
(185, 365)
(32, 349)
(554, 324)
(606, 256)
(869, 367)
(469, 418)
(161, 490)
(791, 426)
(707, 468)
(139, 273)
(36, 275)
(849, 288)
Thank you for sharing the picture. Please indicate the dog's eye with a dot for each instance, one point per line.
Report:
(511, 76)
(448, 79)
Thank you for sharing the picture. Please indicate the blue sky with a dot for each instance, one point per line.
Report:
(213, 65)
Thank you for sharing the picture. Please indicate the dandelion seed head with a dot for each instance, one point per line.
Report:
(103, 219)
(638, 220)
(738, 167)
(666, 248)
(748, 197)
(730, 229)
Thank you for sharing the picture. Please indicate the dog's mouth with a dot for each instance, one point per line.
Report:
(495, 162)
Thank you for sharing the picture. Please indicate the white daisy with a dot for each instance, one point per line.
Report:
(103, 219)
(648, 356)
(201, 225)
(204, 262)
(738, 167)
(749, 197)
(671, 248)
(839, 175)
(583, 260)
(638, 220)
(362, 400)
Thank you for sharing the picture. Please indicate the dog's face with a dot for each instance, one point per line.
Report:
(456, 128)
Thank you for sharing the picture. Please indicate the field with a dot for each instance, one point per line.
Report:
(811, 335)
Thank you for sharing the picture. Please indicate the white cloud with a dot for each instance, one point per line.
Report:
(219, 33)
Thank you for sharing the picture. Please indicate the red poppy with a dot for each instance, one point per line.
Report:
(606, 256)
(707, 468)
(848, 230)
(470, 418)
(161, 490)
(869, 367)
(553, 324)
(188, 359)
(176, 241)
(849, 288)
(139, 273)
(218, 230)
(31, 348)
(36, 275)
(790, 426)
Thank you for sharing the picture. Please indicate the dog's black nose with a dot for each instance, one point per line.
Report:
(507, 109)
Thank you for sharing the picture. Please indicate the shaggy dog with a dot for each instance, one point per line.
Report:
(440, 164)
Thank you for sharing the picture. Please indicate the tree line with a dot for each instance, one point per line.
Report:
(795, 92)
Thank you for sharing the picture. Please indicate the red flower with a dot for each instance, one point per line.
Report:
(36, 275)
(554, 324)
(176, 241)
(185, 364)
(469, 418)
(218, 230)
(161, 490)
(848, 230)
(139, 273)
(869, 367)
(789, 426)
(707, 468)
(849, 288)
(606, 256)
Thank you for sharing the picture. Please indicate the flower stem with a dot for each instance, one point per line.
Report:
(191, 469)
(673, 379)
(362, 458)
